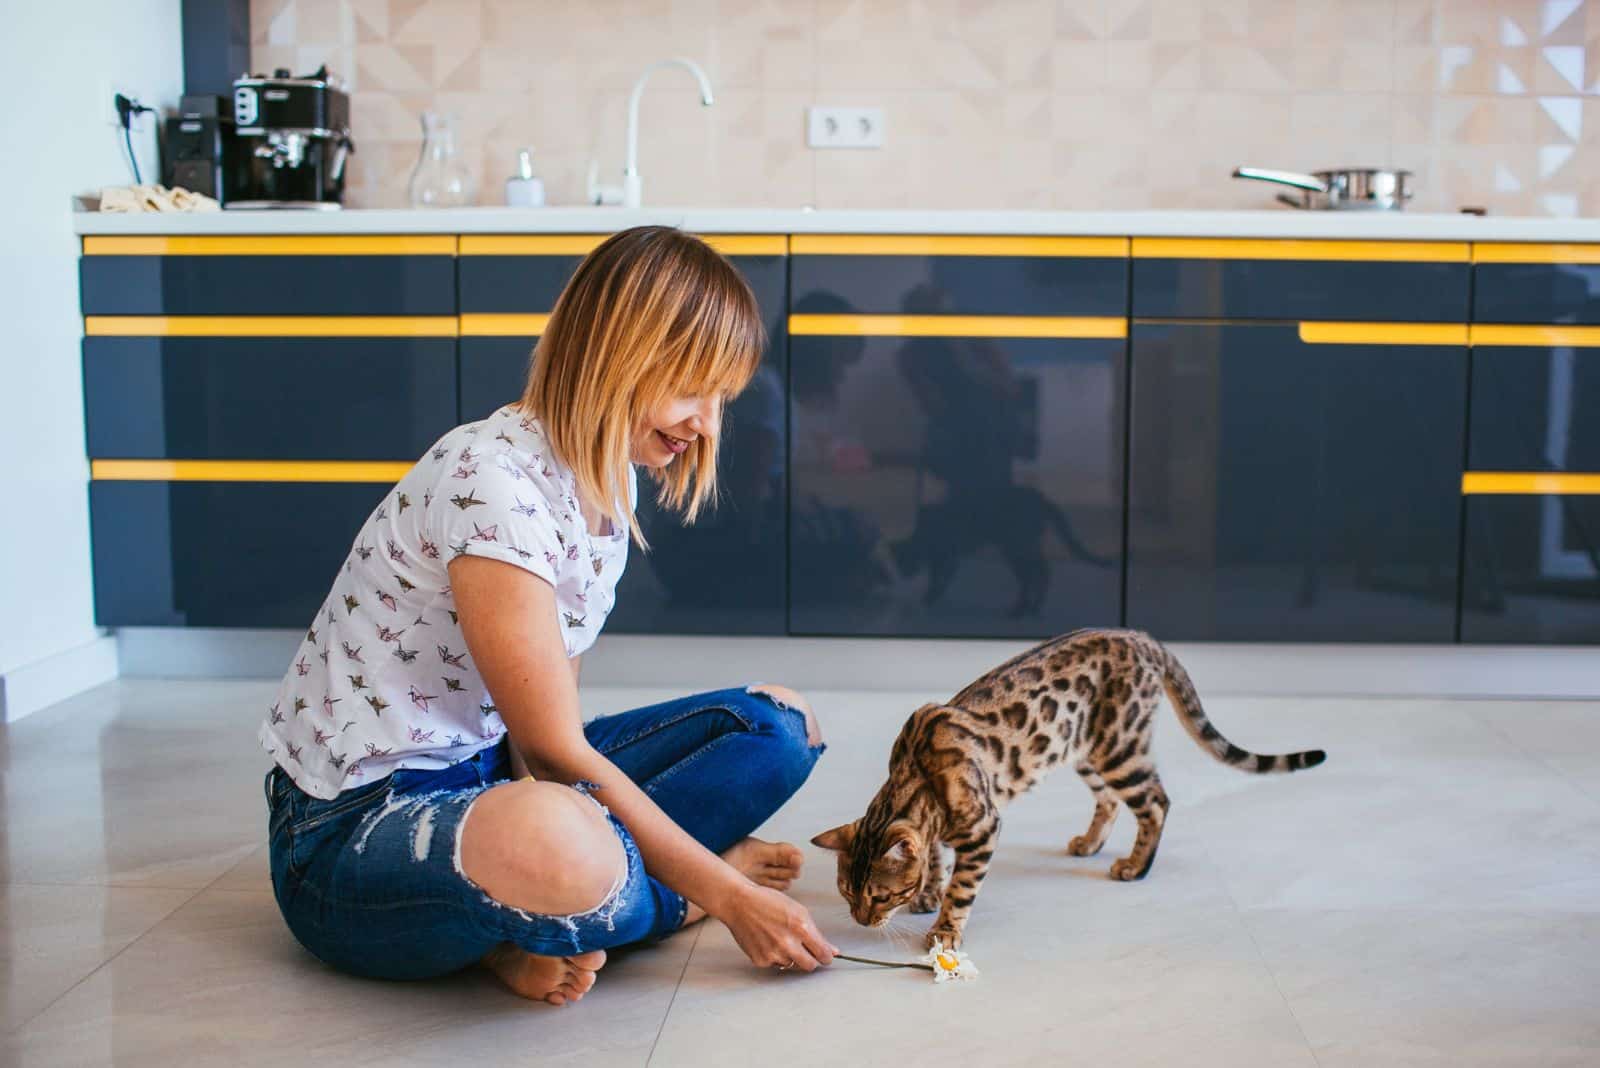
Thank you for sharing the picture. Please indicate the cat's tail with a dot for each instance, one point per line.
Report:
(1186, 702)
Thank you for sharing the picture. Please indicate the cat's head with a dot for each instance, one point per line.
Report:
(880, 868)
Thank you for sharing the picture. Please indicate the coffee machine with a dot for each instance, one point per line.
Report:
(292, 137)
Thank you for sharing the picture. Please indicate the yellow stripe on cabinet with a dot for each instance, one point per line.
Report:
(304, 245)
(1214, 248)
(583, 244)
(250, 470)
(479, 324)
(1507, 252)
(955, 245)
(269, 325)
(1360, 333)
(1536, 337)
(958, 326)
(1529, 482)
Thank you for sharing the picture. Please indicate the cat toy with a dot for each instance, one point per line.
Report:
(945, 964)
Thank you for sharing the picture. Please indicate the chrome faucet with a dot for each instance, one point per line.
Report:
(632, 186)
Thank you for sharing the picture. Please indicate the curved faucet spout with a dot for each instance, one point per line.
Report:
(631, 184)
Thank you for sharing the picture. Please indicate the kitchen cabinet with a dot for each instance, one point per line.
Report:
(1531, 545)
(178, 553)
(312, 275)
(956, 435)
(1288, 484)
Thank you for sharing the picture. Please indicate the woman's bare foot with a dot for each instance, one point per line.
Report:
(774, 864)
(556, 980)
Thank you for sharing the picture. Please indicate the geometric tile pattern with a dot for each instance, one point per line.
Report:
(989, 103)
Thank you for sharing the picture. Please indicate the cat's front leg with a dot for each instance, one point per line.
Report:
(932, 892)
(972, 864)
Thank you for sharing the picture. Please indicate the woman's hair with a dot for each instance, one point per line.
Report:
(650, 315)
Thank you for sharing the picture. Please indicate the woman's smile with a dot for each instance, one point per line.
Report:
(674, 445)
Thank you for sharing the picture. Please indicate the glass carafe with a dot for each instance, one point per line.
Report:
(441, 178)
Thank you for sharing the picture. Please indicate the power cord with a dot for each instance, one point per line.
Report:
(127, 108)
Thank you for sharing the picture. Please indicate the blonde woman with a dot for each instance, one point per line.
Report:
(408, 838)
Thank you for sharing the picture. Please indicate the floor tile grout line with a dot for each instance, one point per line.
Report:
(97, 968)
(135, 940)
(675, 988)
(1511, 740)
(1272, 975)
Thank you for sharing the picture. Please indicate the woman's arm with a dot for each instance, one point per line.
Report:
(513, 633)
(519, 766)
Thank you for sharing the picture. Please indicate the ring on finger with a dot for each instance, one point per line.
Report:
(785, 967)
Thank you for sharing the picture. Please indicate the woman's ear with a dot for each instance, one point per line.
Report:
(837, 838)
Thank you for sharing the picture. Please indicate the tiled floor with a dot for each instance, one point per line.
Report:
(1430, 896)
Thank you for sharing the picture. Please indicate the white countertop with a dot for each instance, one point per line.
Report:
(1283, 223)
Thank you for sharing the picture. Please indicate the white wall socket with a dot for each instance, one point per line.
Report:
(844, 127)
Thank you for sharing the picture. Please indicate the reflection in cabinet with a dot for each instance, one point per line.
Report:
(726, 574)
(955, 486)
(1282, 490)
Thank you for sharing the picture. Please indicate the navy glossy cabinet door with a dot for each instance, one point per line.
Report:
(1287, 491)
(726, 574)
(955, 486)
(267, 398)
(1532, 549)
(220, 554)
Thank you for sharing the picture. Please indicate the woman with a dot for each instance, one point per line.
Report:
(407, 838)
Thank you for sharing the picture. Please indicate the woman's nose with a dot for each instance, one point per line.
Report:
(704, 420)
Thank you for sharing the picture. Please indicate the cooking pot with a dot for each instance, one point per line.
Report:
(1347, 189)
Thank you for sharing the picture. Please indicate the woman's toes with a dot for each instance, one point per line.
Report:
(589, 962)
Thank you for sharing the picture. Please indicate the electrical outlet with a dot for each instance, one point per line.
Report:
(844, 127)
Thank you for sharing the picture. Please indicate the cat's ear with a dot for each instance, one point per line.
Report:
(901, 850)
(837, 838)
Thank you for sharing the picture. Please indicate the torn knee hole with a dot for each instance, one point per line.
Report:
(791, 701)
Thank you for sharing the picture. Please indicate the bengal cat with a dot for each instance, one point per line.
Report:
(1086, 699)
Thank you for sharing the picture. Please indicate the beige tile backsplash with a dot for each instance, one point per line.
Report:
(989, 103)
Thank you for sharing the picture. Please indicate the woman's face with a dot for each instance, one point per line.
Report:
(672, 427)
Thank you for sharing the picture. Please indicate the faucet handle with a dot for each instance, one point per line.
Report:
(601, 194)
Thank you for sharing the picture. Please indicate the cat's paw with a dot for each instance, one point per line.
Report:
(944, 934)
(1125, 870)
(1083, 846)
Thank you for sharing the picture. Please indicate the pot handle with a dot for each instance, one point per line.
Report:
(1294, 178)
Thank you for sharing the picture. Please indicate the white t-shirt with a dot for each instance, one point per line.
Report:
(383, 680)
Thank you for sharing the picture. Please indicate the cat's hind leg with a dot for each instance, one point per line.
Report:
(1089, 842)
(1139, 787)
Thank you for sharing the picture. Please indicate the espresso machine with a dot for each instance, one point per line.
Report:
(291, 136)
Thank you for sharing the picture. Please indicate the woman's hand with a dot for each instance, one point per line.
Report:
(775, 931)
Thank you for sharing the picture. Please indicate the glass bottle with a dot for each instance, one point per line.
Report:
(441, 178)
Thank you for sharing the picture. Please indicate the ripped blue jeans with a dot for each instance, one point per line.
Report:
(371, 882)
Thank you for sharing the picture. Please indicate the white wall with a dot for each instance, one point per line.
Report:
(62, 61)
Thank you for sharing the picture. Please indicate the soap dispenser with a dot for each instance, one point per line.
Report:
(524, 189)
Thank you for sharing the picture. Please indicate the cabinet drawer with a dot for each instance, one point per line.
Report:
(245, 398)
(910, 275)
(1535, 405)
(1183, 278)
(955, 486)
(1281, 490)
(220, 554)
(268, 276)
(1532, 568)
(1536, 283)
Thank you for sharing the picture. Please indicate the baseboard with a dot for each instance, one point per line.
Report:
(940, 667)
(25, 690)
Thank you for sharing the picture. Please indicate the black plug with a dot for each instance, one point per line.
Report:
(127, 108)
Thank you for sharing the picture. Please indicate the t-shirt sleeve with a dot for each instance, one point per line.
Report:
(498, 515)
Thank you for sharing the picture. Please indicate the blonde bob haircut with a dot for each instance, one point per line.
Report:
(651, 315)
